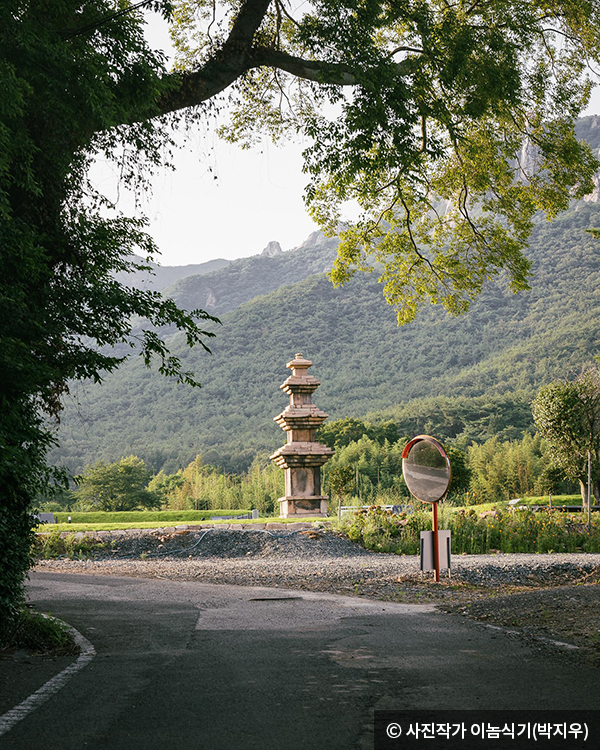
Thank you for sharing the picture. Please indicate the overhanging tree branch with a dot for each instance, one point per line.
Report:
(239, 54)
(221, 71)
(226, 65)
(312, 70)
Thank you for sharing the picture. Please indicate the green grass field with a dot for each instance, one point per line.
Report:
(136, 516)
(557, 500)
(113, 526)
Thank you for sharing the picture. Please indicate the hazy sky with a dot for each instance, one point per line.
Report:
(255, 198)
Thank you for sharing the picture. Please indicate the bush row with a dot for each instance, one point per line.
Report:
(475, 533)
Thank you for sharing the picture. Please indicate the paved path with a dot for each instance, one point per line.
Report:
(208, 667)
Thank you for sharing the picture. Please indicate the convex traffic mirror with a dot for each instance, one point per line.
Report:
(426, 469)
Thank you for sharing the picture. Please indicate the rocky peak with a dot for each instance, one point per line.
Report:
(313, 240)
(272, 249)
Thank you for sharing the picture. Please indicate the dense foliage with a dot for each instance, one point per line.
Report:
(119, 486)
(362, 471)
(342, 432)
(503, 470)
(200, 486)
(71, 88)
(376, 469)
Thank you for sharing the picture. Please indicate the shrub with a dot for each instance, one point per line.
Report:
(16, 537)
(381, 530)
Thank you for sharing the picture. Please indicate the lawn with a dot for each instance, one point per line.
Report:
(98, 525)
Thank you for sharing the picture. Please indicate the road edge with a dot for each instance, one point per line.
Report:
(50, 688)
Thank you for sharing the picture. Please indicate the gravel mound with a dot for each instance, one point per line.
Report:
(296, 558)
(230, 544)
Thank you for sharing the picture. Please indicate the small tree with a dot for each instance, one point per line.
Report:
(340, 479)
(567, 415)
(118, 486)
(164, 485)
(461, 473)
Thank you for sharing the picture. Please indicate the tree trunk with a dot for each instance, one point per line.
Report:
(595, 492)
(583, 489)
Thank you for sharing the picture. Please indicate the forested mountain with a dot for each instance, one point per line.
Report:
(498, 354)
(162, 277)
(247, 278)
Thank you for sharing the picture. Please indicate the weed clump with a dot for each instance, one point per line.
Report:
(55, 545)
(36, 634)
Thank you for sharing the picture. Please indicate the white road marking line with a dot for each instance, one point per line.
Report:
(35, 700)
(561, 644)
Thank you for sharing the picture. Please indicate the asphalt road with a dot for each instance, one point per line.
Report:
(207, 667)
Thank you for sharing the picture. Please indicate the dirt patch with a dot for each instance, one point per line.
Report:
(569, 614)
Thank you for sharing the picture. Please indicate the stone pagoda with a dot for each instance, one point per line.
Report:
(301, 457)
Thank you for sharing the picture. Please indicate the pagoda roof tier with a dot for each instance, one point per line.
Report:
(301, 454)
(299, 363)
(304, 449)
(299, 424)
(299, 462)
(300, 384)
(304, 417)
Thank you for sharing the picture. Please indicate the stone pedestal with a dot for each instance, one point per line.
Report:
(302, 457)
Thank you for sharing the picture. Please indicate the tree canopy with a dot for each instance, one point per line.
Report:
(76, 80)
(448, 124)
(567, 415)
(118, 486)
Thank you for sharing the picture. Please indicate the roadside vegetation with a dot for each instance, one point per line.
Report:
(474, 532)
(37, 634)
(366, 469)
(57, 544)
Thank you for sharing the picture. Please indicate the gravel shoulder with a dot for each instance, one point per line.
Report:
(549, 597)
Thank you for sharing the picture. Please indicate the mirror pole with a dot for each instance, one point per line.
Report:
(436, 549)
(589, 493)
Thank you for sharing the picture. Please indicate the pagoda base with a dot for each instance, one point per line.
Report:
(296, 507)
